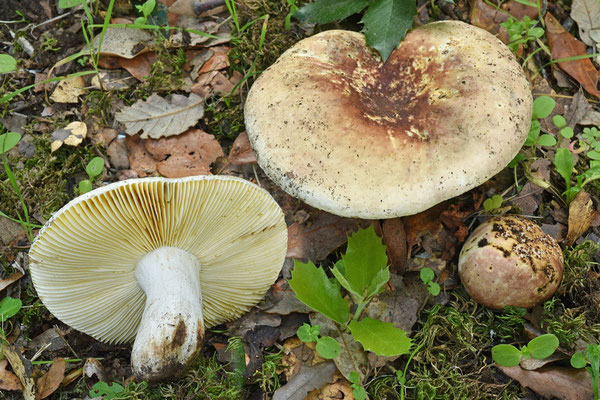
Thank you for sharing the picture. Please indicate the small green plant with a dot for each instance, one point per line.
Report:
(106, 391)
(542, 107)
(493, 203)
(144, 10)
(288, 17)
(362, 272)
(49, 43)
(358, 389)
(327, 347)
(8, 141)
(591, 356)
(591, 138)
(93, 169)
(427, 276)
(8, 308)
(522, 32)
(539, 348)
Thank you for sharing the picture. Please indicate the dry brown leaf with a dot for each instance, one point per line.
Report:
(190, 153)
(49, 382)
(140, 65)
(321, 234)
(72, 135)
(519, 10)
(489, 18)
(218, 61)
(69, 90)
(140, 159)
(307, 379)
(8, 380)
(241, 153)
(562, 45)
(157, 117)
(581, 215)
(394, 237)
(428, 221)
(587, 15)
(340, 388)
(554, 382)
(22, 368)
(4, 283)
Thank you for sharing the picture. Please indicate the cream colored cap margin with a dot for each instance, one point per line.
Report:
(83, 260)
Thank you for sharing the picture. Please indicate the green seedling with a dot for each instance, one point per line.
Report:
(401, 375)
(7, 63)
(564, 163)
(561, 123)
(106, 391)
(591, 137)
(93, 169)
(542, 107)
(288, 17)
(539, 348)
(591, 356)
(493, 203)
(8, 141)
(427, 275)
(8, 308)
(521, 32)
(358, 390)
(144, 10)
(327, 347)
(362, 272)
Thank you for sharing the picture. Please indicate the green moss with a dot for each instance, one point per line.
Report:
(569, 324)
(225, 121)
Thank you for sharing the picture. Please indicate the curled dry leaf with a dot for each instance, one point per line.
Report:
(22, 368)
(8, 380)
(4, 283)
(587, 15)
(157, 117)
(123, 42)
(69, 90)
(581, 215)
(554, 382)
(49, 382)
(241, 153)
(139, 66)
(72, 135)
(563, 45)
(394, 238)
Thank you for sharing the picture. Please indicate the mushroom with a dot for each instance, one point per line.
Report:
(159, 260)
(510, 261)
(335, 127)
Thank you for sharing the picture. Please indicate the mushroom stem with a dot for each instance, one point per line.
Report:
(171, 330)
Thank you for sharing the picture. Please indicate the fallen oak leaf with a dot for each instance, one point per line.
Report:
(563, 45)
(157, 117)
(49, 382)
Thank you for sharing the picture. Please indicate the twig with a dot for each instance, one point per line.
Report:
(204, 6)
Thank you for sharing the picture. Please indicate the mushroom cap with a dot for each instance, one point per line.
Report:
(83, 260)
(510, 261)
(335, 127)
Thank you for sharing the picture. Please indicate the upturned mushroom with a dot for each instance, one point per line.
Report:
(335, 127)
(510, 261)
(159, 260)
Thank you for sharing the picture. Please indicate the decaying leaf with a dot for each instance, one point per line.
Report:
(340, 388)
(307, 379)
(4, 283)
(241, 153)
(140, 159)
(520, 10)
(489, 18)
(581, 215)
(123, 42)
(139, 66)
(394, 238)
(554, 382)
(322, 233)
(69, 90)
(49, 382)
(8, 380)
(591, 117)
(587, 15)
(157, 117)
(563, 45)
(22, 368)
(72, 135)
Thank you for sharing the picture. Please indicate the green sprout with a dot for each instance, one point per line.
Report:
(591, 356)
(539, 348)
(427, 275)
(93, 169)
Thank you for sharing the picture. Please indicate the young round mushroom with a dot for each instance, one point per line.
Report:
(159, 260)
(510, 261)
(335, 127)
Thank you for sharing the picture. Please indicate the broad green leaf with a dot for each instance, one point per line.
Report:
(95, 167)
(148, 7)
(492, 203)
(325, 11)
(9, 307)
(543, 346)
(363, 261)
(426, 275)
(68, 3)
(386, 23)
(593, 154)
(359, 392)
(85, 186)
(434, 288)
(578, 360)
(7, 63)
(8, 140)
(563, 161)
(380, 337)
(543, 106)
(308, 333)
(546, 140)
(506, 355)
(534, 133)
(559, 121)
(328, 347)
(515, 161)
(536, 32)
(376, 286)
(316, 291)
(567, 132)
(339, 275)
(106, 391)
